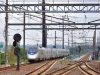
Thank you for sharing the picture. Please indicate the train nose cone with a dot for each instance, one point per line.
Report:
(32, 56)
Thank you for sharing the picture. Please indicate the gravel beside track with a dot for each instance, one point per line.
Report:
(10, 67)
(95, 65)
(75, 71)
(58, 66)
(23, 70)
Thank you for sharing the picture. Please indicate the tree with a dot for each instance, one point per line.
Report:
(11, 56)
(2, 58)
(23, 54)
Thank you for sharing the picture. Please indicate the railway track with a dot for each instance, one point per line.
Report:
(84, 68)
(80, 67)
(66, 70)
(43, 69)
(87, 69)
(63, 70)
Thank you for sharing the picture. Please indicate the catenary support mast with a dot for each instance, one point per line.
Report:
(6, 34)
(44, 32)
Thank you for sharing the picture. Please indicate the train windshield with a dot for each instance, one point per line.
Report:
(33, 50)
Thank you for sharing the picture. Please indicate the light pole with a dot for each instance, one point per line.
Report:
(63, 17)
(55, 39)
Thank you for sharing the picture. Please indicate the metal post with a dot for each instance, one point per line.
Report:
(85, 44)
(55, 39)
(6, 34)
(68, 42)
(95, 37)
(94, 44)
(72, 40)
(93, 48)
(44, 32)
(96, 54)
(24, 33)
(63, 35)
(18, 60)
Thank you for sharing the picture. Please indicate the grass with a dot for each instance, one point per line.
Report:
(65, 62)
(23, 60)
(13, 63)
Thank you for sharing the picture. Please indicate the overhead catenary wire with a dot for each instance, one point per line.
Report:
(15, 29)
(32, 38)
(36, 16)
(17, 18)
(22, 31)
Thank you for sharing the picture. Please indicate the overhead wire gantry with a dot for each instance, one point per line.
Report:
(51, 8)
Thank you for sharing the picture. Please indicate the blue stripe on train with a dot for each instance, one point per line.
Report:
(32, 53)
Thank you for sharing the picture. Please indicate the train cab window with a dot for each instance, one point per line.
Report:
(33, 49)
(30, 50)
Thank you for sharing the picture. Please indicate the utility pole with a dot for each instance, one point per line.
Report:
(85, 45)
(24, 33)
(68, 41)
(63, 33)
(6, 34)
(94, 43)
(72, 40)
(95, 56)
(44, 32)
(55, 39)
(95, 37)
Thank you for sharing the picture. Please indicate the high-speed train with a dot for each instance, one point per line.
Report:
(36, 53)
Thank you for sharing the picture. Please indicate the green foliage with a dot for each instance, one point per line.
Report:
(11, 56)
(23, 60)
(75, 50)
(23, 54)
(11, 63)
(2, 58)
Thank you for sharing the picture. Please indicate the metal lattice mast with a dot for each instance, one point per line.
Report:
(44, 32)
(63, 33)
(24, 32)
(55, 39)
(6, 34)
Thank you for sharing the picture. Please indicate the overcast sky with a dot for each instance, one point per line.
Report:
(37, 34)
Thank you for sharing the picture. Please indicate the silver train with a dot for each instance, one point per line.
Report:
(36, 53)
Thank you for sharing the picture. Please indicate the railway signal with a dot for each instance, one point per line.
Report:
(17, 51)
(17, 38)
(14, 43)
(79, 50)
(98, 48)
